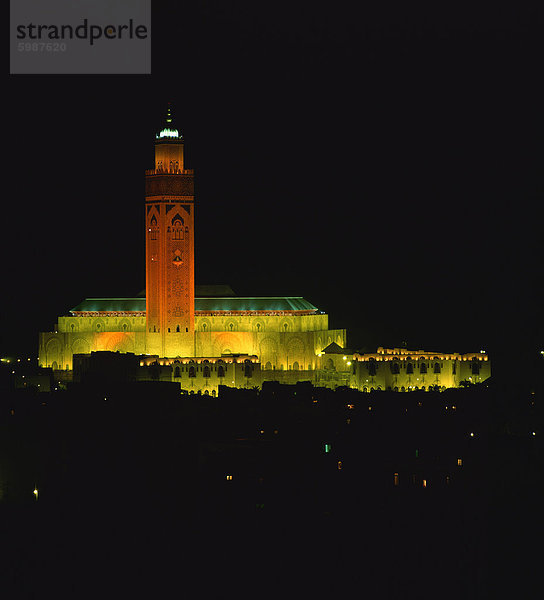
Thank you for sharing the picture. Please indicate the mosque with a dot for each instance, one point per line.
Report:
(204, 336)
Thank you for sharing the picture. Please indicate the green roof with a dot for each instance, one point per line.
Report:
(211, 304)
(263, 303)
(110, 305)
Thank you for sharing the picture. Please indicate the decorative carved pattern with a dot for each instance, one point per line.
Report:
(169, 185)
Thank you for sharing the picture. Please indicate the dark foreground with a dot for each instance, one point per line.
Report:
(295, 491)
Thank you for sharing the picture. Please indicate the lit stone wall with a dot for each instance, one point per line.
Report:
(405, 370)
(81, 335)
(282, 342)
(204, 374)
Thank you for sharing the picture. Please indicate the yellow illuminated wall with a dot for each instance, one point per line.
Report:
(280, 342)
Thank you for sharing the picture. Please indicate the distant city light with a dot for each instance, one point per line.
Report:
(35, 492)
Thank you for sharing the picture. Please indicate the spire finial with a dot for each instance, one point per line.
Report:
(169, 130)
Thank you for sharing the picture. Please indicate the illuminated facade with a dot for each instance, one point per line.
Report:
(176, 320)
(401, 370)
(194, 333)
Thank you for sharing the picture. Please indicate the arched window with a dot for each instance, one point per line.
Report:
(192, 371)
(177, 227)
(220, 371)
(206, 371)
(475, 366)
(176, 372)
(409, 368)
(372, 367)
(153, 229)
(436, 367)
(423, 368)
(394, 366)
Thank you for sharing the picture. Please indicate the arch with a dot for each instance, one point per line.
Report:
(177, 220)
(124, 325)
(204, 325)
(268, 350)
(268, 366)
(226, 343)
(295, 366)
(372, 367)
(81, 346)
(231, 325)
(295, 350)
(117, 342)
(206, 371)
(52, 352)
(258, 326)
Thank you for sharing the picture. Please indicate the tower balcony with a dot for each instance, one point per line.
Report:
(169, 171)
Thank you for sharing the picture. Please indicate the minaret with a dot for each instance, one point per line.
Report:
(169, 222)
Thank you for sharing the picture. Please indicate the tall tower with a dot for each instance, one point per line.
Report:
(170, 267)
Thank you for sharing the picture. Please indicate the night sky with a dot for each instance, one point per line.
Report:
(384, 162)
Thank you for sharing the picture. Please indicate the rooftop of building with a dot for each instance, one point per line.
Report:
(203, 304)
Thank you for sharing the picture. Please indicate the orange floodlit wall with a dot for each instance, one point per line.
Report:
(170, 253)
